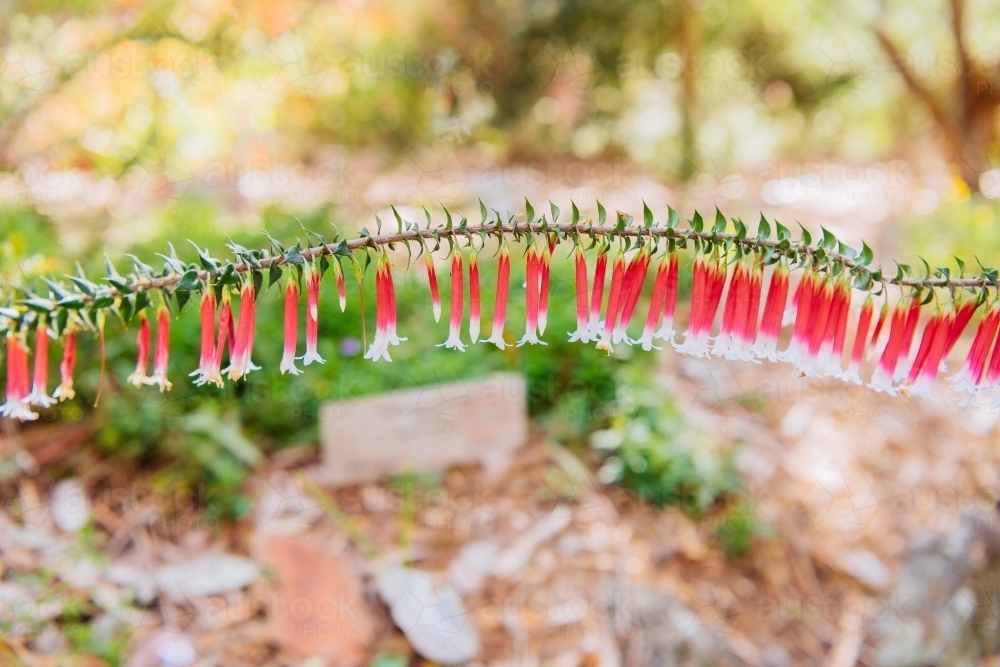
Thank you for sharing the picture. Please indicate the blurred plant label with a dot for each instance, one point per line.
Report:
(425, 428)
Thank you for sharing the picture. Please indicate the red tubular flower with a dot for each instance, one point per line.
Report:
(390, 288)
(139, 377)
(699, 297)
(614, 301)
(161, 355)
(832, 344)
(666, 331)
(969, 378)
(656, 303)
(962, 318)
(929, 356)
(582, 332)
(635, 278)
(910, 330)
(500, 305)
(729, 342)
(840, 331)
(312, 317)
(457, 295)
(992, 379)
(433, 282)
(65, 389)
(766, 341)
(338, 273)
(600, 271)
(532, 280)
(748, 332)
(860, 342)
(383, 301)
(544, 272)
(240, 363)
(808, 294)
(40, 383)
(882, 379)
(822, 304)
(291, 328)
(207, 357)
(717, 277)
(213, 373)
(474, 298)
(17, 406)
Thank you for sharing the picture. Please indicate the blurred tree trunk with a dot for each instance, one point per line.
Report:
(689, 29)
(966, 114)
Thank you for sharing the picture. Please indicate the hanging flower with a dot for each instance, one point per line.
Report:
(457, 294)
(139, 377)
(65, 390)
(860, 342)
(500, 305)
(379, 348)
(17, 405)
(207, 356)
(240, 363)
(582, 332)
(600, 271)
(807, 295)
(291, 328)
(766, 341)
(930, 353)
(708, 282)
(338, 273)
(970, 377)
(390, 288)
(635, 278)
(40, 383)
(882, 379)
(819, 315)
(532, 279)
(544, 272)
(433, 282)
(614, 302)
(727, 344)
(312, 316)
(161, 356)
(655, 304)
(474, 299)
(666, 330)
(832, 356)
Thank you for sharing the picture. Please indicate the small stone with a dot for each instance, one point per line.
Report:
(70, 509)
(316, 606)
(433, 618)
(208, 574)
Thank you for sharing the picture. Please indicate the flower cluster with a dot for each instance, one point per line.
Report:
(745, 290)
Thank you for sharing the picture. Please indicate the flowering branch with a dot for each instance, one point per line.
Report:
(727, 260)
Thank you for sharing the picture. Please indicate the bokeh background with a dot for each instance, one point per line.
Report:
(780, 514)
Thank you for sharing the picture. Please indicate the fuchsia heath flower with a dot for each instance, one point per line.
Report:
(385, 312)
(457, 295)
(161, 355)
(240, 363)
(65, 389)
(614, 302)
(312, 316)
(532, 282)
(432, 281)
(656, 303)
(582, 332)
(766, 343)
(207, 355)
(860, 342)
(17, 406)
(39, 387)
(139, 377)
(500, 304)
(291, 328)
(597, 295)
(474, 297)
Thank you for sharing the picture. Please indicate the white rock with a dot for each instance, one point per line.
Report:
(208, 574)
(520, 551)
(473, 563)
(70, 509)
(433, 618)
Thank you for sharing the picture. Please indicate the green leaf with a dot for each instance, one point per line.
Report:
(602, 215)
(87, 287)
(673, 218)
(427, 214)
(807, 238)
(783, 233)
(273, 274)
(293, 256)
(555, 212)
(829, 240)
(741, 229)
(182, 299)
(763, 228)
(866, 254)
(121, 284)
(647, 216)
(258, 281)
(342, 250)
(961, 266)
(720, 223)
(697, 223)
(483, 212)
(39, 305)
(189, 281)
(529, 211)
(71, 302)
(576, 213)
